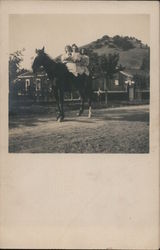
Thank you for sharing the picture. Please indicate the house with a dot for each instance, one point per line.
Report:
(110, 89)
(141, 78)
(126, 79)
(128, 84)
(117, 83)
(28, 84)
(37, 87)
(125, 85)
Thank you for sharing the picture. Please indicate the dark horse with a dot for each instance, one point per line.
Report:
(62, 80)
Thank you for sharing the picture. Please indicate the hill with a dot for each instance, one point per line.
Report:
(131, 50)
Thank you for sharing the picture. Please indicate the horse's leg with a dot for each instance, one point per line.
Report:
(90, 108)
(61, 97)
(89, 84)
(82, 103)
(56, 94)
(81, 93)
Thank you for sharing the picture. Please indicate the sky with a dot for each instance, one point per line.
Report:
(54, 31)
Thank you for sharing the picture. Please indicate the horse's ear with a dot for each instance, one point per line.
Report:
(43, 49)
(36, 50)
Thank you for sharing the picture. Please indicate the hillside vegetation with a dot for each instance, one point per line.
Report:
(131, 50)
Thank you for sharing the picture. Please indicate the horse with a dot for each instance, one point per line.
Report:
(62, 80)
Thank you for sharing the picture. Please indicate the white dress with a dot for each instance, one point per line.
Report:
(76, 57)
(71, 65)
(84, 64)
(76, 63)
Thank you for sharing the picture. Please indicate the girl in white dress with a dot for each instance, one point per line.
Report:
(84, 62)
(76, 56)
(67, 59)
(77, 63)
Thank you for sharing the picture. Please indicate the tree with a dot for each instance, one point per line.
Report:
(109, 66)
(120, 67)
(145, 63)
(123, 42)
(15, 69)
(94, 64)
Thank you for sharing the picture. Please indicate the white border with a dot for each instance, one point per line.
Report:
(134, 178)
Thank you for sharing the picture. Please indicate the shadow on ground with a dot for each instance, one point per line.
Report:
(16, 121)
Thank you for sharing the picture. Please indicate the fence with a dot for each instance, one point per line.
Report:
(142, 94)
(104, 97)
(110, 96)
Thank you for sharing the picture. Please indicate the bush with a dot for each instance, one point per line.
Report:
(111, 46)
(97, 46)
(123, 42)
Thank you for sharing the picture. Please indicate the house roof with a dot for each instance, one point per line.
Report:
(126, 74)
(133, 72)
(30, 74)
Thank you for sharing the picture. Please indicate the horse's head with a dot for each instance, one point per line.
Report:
(39, 60)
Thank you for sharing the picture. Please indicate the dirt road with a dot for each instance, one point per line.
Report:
(112, 130)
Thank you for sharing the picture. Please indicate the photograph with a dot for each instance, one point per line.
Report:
(79, 127)
(79, 83)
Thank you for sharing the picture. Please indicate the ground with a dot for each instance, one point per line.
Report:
(110, 130)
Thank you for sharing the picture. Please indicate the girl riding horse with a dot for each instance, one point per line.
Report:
(63, 80)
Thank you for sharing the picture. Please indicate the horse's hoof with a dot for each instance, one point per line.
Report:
(60, 119)
(79, 113)
(57, 118)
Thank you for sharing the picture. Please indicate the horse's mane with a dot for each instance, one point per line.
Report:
(49, 57)
(52, 60)
(59, 67)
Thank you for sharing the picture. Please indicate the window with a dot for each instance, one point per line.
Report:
(38, 84)
(116, 82)
(27, 84)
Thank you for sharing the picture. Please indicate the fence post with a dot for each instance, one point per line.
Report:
(139, 95)
(106, 97)
(131, 93)
(105, 89)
